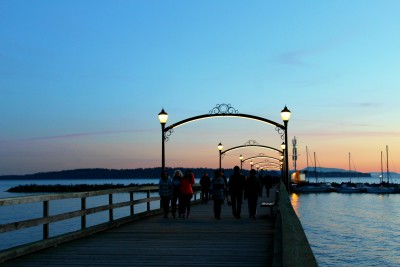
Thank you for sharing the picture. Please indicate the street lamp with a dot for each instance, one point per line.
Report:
(285, 115)
(241, 161)
(163, 117)
(220, 147)
(283, 146)
(251, 164)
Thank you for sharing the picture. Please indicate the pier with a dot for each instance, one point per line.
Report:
(148, 239)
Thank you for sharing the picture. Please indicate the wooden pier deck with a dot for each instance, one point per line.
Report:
(200, 240)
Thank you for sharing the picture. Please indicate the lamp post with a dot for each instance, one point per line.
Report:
(285, 114)
(283, 146)
(163, 117)
(241, 162)
(220, 147)
(251, 164)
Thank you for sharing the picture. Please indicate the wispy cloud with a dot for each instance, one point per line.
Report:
(295, 57)
(350, 134)
(78, 135)
(353, 105)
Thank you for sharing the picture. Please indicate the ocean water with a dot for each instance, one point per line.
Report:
(343, 229)
(351, 229)
(35, 210)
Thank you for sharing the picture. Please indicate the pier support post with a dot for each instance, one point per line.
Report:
(45, 214)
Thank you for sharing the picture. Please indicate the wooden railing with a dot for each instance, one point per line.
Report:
(47, 219)
(291, 244)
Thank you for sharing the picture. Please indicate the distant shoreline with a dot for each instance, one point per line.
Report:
(154, 173)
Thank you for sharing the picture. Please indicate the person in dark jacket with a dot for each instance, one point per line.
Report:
(205, 183)
(252, 190)
(218, 189)
(236, 187)
(165, 191)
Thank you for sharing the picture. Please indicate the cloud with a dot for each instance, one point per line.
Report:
(350, 134)
(294, 57)
(353, 105)
(78, 135)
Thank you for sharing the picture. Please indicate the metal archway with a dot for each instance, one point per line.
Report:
(251, 143)
(225, 110)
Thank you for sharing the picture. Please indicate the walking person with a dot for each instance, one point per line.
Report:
(176, 181)
(236, 188)
(165, 190)
(205, 183)
(218, 189)
(268, 183)
(252, 190)
(186, 194)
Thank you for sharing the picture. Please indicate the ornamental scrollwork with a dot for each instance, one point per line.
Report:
(280, 132)
(251, 143)
(223, 109)
(168, 134)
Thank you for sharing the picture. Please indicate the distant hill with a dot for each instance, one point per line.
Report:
(334, 172)
(320, 169)
(377, 174)
(99, 173)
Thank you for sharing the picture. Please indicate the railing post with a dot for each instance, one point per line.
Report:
(45, 214)
(148, 201)
(110, 211)
(131, 205)
(83, 217)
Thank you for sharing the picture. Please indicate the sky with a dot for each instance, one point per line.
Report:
(82, 82)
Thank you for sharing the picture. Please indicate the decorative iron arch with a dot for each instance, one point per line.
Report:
(242, 146)
(221, 111)
(255, 157)
(226, 110)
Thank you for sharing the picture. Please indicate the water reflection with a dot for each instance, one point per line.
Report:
(295, 202)
(351, 229)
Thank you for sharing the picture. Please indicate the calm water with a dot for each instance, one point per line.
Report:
(351, 229)
(34, 210)
(343, 229)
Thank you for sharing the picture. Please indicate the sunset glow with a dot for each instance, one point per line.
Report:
(82, 84)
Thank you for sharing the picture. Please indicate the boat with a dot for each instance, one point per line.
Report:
(383, 187)
(348, 187)
(381, 190)
(312, 187)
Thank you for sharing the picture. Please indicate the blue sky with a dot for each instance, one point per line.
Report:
(82, 82)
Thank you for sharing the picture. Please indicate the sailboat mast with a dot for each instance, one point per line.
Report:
(387, 163)
(349, 168)
(315, 169)
(307, 176)
(381, 178)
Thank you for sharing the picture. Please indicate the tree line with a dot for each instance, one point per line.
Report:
(99, 173)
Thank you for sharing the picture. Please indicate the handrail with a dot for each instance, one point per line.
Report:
(48, 197)
(295, 248)
(47, 219)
